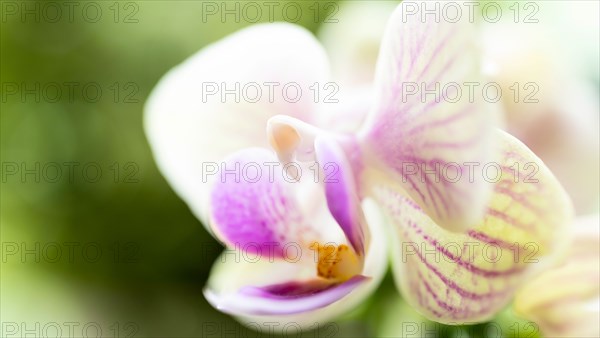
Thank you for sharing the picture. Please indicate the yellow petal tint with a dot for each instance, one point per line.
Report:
(468, 277)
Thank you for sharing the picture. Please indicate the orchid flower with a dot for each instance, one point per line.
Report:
(565, 301)
(318, 246)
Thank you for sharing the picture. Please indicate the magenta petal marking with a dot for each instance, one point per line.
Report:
(255, 213)
(341, 192)
(292, 297)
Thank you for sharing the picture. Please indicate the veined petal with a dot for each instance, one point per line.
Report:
(465, 278)
(255, 206)
(218, 102)
(425, 120)
(261, 291)
(565, 301)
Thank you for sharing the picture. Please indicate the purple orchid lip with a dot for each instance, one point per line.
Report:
(285, 298)
(263, 215)
(259, 215)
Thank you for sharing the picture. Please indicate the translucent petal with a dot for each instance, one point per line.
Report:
(565, 300)
(461, 278)
(425, 118)
(218, 102)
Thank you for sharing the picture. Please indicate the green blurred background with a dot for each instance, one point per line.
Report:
(117, 251)
(154, 255)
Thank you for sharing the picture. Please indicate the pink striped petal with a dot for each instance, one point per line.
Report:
(424, 139)
(469, 277)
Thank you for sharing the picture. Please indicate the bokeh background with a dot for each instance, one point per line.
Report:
(108, 246)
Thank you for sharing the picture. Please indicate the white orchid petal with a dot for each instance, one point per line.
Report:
(349, 112)
(190, 124)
